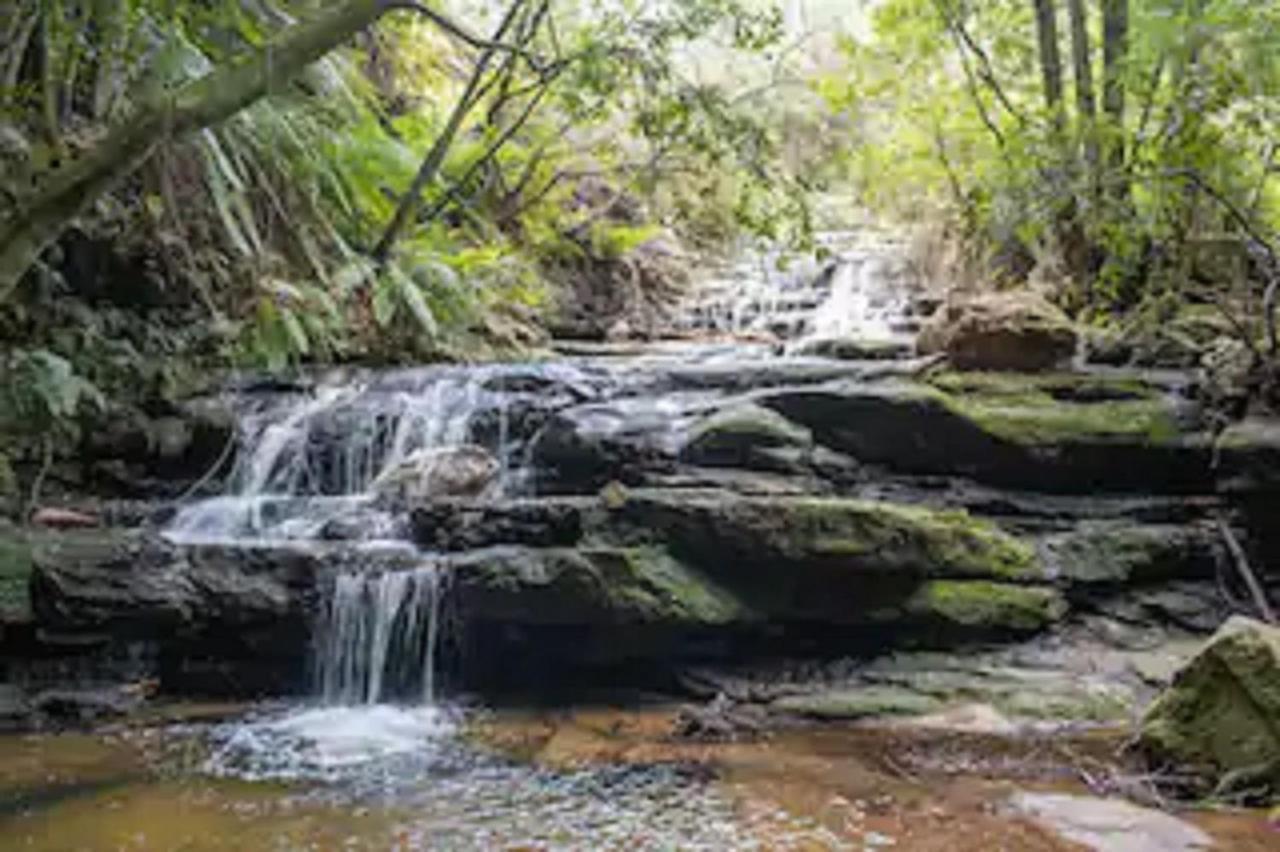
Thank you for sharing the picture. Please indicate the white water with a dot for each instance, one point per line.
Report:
(862, 289)
(306, 459)
(379, 638)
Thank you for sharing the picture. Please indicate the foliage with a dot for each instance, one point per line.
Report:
(259, 232)
(955, 123)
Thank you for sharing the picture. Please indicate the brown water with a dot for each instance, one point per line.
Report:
(583, 779)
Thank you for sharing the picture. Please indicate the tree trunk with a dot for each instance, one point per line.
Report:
(1050, 60)
(434, 159)
(1086, 106)
(69, 190)
(1115, 46)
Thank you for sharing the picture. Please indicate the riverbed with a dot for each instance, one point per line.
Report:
(292, 778)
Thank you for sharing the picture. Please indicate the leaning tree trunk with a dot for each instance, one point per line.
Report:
(71, 189)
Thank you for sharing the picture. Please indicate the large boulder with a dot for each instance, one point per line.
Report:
(1000, 331)
(462, 471)
(1220, 717)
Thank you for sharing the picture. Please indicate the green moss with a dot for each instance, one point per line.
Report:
(858, 703)
(1034, 410)
(648, 584)
(989, 606)
(941, 542)
(1222, 710)
(743, 428)
(1117, 553)
(15, 573)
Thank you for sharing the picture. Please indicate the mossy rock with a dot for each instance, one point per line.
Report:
(854, 349)
(16, 565)
(1221, 714)
(1061, 433)
(1115, 554)
(1037, 411)
(743, 436)
(589, 586)
(985, 607)
(785, 535)
(1248, 455)
(857, 703)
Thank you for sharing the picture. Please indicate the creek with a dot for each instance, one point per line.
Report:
(466, 598)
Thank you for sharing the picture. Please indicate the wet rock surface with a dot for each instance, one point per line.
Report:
(1111, 825)
(644, 512)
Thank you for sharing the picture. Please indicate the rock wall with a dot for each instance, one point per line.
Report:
(690, 513)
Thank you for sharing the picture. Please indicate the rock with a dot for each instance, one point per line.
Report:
(743, 436)
(1180, 341)
(859, 703)
(720, 720)
(1110, 825)
(584, 447)
(588, 586)
(1000, 331)
(1219, 716)
(966, 719)
(464, 525)
(1108, 347)
(969, 607)
(88, 705)
(245, 610)
(462, 471)
(1115, 554)
(1248, 455)
(854, 349)
(56, 518)
(1064, 433)
(585, 607)
(15, 708)
(105, 580)
(733, 534)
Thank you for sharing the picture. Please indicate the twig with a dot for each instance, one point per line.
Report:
(1246, 573)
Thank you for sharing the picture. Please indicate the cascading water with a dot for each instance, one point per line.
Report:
(862, 289)
(309, 458)
(379, 637)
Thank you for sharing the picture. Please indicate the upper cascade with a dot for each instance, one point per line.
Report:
(863, 287)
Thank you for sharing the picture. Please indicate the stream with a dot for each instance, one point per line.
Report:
(391, 747)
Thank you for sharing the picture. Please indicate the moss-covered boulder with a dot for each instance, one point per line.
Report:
(744, 436)
(1000, 331)
(1220, 717)
(1065, 433)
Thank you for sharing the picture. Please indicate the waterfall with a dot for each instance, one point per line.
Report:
(378, 637)
(307, 459)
